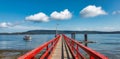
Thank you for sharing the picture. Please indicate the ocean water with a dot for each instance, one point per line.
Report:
(107, 44)
(16, 41)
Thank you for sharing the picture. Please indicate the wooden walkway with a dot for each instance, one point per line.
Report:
(57, 48)
(61, 50)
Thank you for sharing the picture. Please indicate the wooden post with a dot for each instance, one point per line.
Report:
(73, 35)
(85, 40)
(85, 36)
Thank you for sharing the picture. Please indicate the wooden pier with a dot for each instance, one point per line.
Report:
(61, 50)
(62, 47)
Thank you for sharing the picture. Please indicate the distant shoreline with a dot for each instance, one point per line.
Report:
(34, 32)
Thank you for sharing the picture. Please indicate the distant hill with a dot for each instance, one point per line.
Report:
(61, 32)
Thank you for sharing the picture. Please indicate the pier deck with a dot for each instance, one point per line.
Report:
(61, 50)
(62, 47)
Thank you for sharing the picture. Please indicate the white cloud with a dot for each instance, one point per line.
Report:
(92, 11)
(107, 28)
(21, 28)
(66, 14)
(9, 24)
(116, 12)
(39, 17)
(5, 25)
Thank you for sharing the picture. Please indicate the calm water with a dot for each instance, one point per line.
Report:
(16, 41)
(108, 44)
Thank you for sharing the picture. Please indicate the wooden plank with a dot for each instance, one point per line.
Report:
(61, 51)
(57, 52)
(67, 53)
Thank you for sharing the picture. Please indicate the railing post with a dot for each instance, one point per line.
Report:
(33, 57)
(72, 44)
(91, 57)
(77, 56)
(46, 48)
(77, 47)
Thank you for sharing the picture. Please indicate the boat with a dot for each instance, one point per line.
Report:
(27, 37)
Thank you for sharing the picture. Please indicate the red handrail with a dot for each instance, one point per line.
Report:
(74, 47)
(48, 53)
(34, 52)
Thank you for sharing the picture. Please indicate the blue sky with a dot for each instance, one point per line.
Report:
(24, 15)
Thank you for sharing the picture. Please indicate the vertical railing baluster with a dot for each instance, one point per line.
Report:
(91, 57)
(77, 52)
(33, 57)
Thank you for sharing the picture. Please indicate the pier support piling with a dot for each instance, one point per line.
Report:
(85, 39)
(73, 35)
(85, 36)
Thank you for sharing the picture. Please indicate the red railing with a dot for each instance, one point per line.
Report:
(75, 47)
(48, 46)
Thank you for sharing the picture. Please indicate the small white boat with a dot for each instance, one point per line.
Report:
(27, 37)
